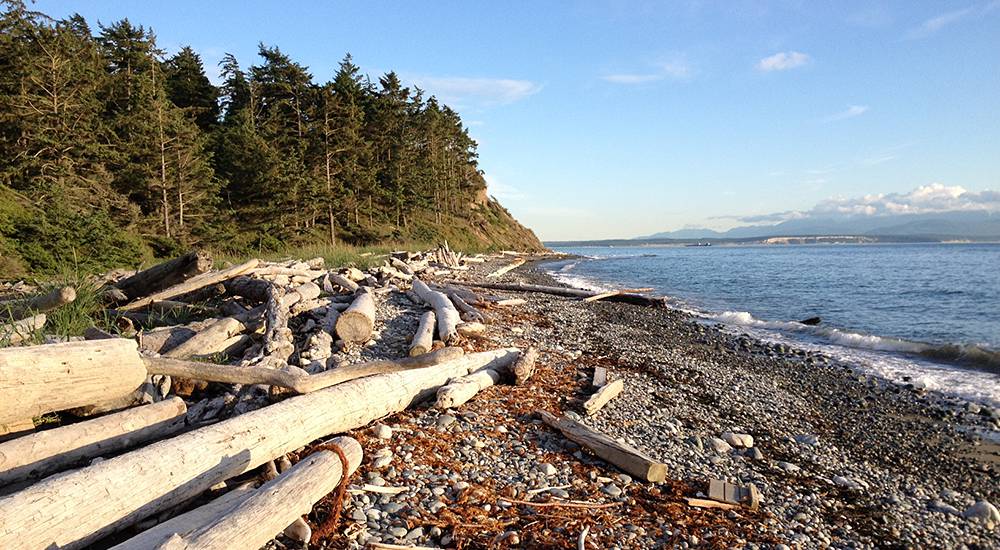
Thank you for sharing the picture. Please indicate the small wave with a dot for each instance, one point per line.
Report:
(969, 355)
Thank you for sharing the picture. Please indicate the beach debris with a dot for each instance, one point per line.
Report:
(600, 378)
(985, 512)
(624, 456)
(524, 367)
(739, 441)
(602, 396)
(725, 495)
(503, 270)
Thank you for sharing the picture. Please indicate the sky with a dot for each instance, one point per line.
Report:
(612, 119)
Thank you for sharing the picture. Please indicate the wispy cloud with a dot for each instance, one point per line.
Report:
(676, 68)
(850, 112)
(783, 61)
(501, 190)
(940, 21)
(479, 92)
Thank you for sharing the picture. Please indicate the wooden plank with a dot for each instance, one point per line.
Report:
(626, 457)
(600, 377)
(602, 396)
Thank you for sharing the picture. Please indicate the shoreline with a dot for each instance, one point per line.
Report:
(910, 459)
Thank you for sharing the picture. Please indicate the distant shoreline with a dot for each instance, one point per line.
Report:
(776, 240)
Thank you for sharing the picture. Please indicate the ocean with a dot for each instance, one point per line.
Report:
(925, 314)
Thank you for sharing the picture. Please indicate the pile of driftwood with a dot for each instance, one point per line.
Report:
(165, 426)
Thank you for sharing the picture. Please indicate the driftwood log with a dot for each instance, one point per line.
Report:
(165, 275)
(18, 331)
(213, 338)
(35, 380)
(292, 378)
(600, 398)
(460, 390)
(42, 453)
(524, 368)
(344, 282)
(510, 267)
(423, 339)
(37, 304)
(356, 323)
(188, 521)
(268, 510)
(146, 481)
(625, 298)
(191, 285)
(628, 458)
(447, 316)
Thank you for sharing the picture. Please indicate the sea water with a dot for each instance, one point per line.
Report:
(925, 314)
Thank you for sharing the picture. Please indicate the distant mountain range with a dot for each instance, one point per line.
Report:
(977, 225)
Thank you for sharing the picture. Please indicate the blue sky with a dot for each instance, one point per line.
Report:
(615, 119)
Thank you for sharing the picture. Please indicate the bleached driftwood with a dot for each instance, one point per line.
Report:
(460, 390)
(250, 288)
(21, 330)
(524, 368)
(601, 397)
(289, 377)
(467, 313)
(510, 302)
(35, 380)
(344, 282)
(48, 451)
(188, 521)
(213, 337)
(401, 266)
(157, 477)
(194, 283)
(276, 504)
(503, 270)
(447, 316)
(628, 458)
(600, 378)
(37, 304)
(165, 275)
(473, 328)
(356, 323)
(624, 297)
(423, 339)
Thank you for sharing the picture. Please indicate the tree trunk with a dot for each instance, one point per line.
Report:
(41, 453)
(276, 504)
(503, 270)
(525, 365)
(423, 339)
(35, 380)
(357, 322)
(462, 389)
(146, 481)
(192, 284)
(211, 338)
(37, 304)
(626, 457)
(447, 316)
(166, 274)
(602, 396)
(626, 298)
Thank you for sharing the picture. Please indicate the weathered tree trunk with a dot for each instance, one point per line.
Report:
(35, 380)
(276, 504)
(503, 270)
(524, 368)
(157, 477)
(37, 304)
(165, 275)
(252, 289)
(188, 521)
(464, 388)
(289, 377)
(194, 283)
(626, 457)
(213, 337)
(601, 397)
(468, 313)
(44, 452)
(19, 331)
(447, 316)
(423, 339)
(344, 282)
(357, 322)
(625, 298)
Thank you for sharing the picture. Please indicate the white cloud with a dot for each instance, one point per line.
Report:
(783, 61)
(501, 190)
(850, 112)
(938, 22)
(481, 92)
(676, 68)
(926, 199)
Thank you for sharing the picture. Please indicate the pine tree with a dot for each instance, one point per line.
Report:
(189, 88)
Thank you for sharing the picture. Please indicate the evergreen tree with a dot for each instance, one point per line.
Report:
(189, 88)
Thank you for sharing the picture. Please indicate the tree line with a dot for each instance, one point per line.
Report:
(106, 140)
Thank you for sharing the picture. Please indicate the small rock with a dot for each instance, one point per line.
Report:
(547, 469)
(445, 420)
(847, 483)
(943, 507)
(612, 489)
(398, 532)
(740, 441)
(807, 439)
(437, 506)
(719, 445)
(753, 453)
(983, 511)
(788, 467)
(415, 533)
(359, 515)
(382, 431)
